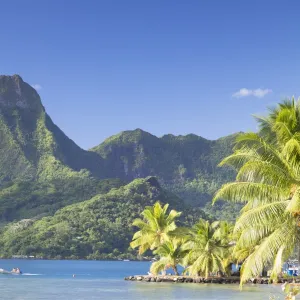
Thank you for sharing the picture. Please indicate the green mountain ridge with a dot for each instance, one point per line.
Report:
(187, 165)
(42, 170)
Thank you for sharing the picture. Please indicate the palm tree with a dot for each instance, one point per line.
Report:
(268, 183)
(171, 254)
(207, 248)
(156, 227)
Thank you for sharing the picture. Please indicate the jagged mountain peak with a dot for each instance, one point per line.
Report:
(31, 145)
(17, 94)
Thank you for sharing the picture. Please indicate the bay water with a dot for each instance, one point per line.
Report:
(53, 280)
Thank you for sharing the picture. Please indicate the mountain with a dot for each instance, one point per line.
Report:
(31, 146)
(41, 169)
(99, 228)
(186, 165)
(57, 199)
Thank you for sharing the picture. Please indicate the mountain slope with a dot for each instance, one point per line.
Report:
(31, 146)
(97, 228)
(41, 169)
(187, 165)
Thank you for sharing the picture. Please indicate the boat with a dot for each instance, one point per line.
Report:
(126, 260)
(5, 272)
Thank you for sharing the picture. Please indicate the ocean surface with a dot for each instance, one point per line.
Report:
(53, 280)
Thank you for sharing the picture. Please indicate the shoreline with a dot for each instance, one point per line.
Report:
(214, 280)
(73, 259)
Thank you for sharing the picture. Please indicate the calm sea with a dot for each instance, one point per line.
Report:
(53, 280)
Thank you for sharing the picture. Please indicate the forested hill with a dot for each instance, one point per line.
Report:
(100, 228)
(186, 165)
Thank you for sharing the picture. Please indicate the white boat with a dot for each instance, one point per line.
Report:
(126, 260)
(5, 272)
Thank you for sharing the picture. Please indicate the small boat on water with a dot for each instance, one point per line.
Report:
(13, 272)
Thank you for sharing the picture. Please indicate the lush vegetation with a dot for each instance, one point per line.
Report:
(185, 165)
(201, 250)
(267, 187)
(157, 228)
(268, 184)
(99, 228)
(22, 200)
(57, 201)
(42, 170)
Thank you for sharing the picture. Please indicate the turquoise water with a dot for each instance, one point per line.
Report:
(45, 280)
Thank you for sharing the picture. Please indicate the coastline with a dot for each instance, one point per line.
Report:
(214, 280)
(74, 259)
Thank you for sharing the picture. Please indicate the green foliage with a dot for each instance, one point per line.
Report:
(202, 249)
(208, 248)
(42, 171)
(36, 199)
(156, 227)
(171, 255)
(99, 228)
(268, 184)
(185, 165)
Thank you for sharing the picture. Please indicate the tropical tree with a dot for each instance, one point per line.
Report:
(268, 183)
(171, 255)
(207, 247)
(156, 227)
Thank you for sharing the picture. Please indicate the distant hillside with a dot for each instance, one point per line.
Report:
(186, 165)
(98, 228)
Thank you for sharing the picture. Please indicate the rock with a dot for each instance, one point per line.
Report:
(139, 278)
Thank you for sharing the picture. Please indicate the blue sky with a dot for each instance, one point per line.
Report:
(165, 66)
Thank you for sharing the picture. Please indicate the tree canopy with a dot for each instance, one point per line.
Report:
(268, 185)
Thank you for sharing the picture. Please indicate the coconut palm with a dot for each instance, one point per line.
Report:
(207, 248)
(268, 183)
(171, 255)
(156, 227)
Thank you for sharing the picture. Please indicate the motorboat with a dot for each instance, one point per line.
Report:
(13, 272)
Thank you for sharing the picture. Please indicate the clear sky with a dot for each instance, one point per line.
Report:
(166, 66)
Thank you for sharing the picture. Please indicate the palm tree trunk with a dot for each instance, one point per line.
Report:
(206, 272)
